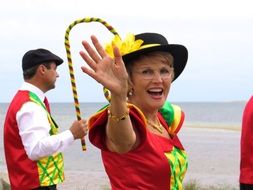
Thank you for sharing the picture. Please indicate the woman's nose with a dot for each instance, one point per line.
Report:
(157, 76)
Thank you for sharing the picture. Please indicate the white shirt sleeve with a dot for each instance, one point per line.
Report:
(34, 130)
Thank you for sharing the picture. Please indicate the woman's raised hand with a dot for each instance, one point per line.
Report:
(110, 72)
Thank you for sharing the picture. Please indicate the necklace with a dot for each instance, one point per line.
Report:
(158, 127)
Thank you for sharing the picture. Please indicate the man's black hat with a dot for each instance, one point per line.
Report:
(38, 56)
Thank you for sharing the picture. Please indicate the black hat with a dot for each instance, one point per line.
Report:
(156, 42)
(38, 56)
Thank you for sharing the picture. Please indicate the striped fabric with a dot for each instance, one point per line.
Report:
(178, 165)
(50, 168)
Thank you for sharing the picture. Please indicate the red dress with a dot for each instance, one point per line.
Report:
(157, 163)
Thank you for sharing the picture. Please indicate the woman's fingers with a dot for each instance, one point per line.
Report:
(98, 46)
(89, 72)
(96, 55)
(118, 57)
(88, 60)
(109, 72)
(92, 53)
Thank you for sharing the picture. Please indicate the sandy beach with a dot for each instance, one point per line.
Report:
(213, 161)
(213, 156)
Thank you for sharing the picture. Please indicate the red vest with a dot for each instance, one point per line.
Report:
(24, 173)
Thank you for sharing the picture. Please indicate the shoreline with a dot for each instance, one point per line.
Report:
(214, 127)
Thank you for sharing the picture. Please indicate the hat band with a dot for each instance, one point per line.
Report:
(148, 46)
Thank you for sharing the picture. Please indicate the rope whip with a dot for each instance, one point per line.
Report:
(70, 65)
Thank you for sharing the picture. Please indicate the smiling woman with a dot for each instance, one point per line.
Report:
(151, 78)
(137, 131)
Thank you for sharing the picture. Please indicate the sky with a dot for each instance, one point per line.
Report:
(217, 33)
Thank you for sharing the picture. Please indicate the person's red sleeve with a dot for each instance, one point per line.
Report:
(97, 124)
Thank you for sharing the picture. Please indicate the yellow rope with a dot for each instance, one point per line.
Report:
(70, 65)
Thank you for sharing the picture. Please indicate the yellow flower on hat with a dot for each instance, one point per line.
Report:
(127, 46)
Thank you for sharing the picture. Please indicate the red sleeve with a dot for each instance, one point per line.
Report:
(97, 124)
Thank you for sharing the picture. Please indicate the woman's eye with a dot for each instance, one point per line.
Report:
(163, 71)
(148, 71)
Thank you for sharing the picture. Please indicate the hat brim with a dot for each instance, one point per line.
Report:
(179, 53)
(54, 58)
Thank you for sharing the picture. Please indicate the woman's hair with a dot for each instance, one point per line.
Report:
(29, 73)
(166, 58)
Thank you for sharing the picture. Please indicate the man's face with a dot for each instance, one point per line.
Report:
(50, 76)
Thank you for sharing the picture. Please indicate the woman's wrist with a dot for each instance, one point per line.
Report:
(119, 98)
(118, 109)
(117, 118)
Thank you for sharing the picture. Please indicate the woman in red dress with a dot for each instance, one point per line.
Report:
(137, 131)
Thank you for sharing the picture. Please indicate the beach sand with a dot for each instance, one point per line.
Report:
(213, 161)
(214, 156)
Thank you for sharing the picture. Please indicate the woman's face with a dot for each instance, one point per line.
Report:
(151, 78)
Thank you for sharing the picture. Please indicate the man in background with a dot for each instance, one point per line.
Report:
(32, 141)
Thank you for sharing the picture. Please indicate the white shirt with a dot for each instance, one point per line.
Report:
(34, 129)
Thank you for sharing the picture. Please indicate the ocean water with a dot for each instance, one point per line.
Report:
(211, 114)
